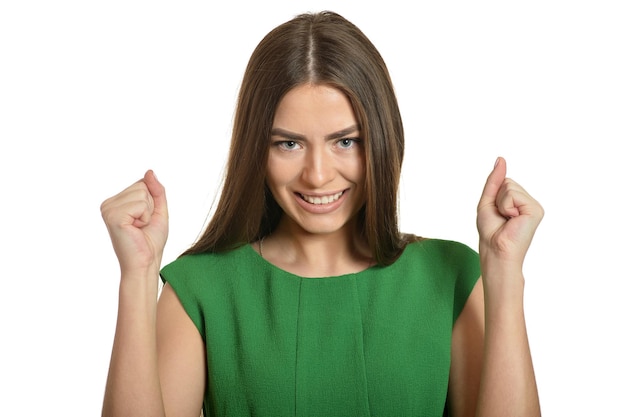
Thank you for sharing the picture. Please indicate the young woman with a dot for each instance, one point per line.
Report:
(302, 297)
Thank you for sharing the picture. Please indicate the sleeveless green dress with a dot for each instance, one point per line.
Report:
(373, 343)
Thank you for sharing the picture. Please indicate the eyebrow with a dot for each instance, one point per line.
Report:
(295, 136)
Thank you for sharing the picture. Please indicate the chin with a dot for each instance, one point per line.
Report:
(317, 227)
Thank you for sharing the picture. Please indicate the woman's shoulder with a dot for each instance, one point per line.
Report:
(439, 246)
(198, 264)
(438, 252)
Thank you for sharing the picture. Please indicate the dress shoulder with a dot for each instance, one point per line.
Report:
(196, 277)
(457, 259)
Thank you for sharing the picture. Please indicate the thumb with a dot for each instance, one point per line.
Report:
(493, 184)
(157, 191)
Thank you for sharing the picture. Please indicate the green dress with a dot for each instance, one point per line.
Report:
(372, 343)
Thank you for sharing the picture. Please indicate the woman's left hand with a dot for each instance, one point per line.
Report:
(507, 218)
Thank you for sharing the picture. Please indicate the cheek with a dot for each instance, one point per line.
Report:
(278, 173)
(355, 168)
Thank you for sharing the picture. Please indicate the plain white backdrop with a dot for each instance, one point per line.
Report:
(92, 94)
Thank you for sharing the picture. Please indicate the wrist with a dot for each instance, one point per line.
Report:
(140, 279)
(503, 279)
(139, 268)
(139, 292)
(500, 260)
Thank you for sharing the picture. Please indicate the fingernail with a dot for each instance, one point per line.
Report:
(497, 162)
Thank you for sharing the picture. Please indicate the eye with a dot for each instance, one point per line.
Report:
(347, 143)
(287, 145)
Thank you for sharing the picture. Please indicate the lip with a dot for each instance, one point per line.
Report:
(321, 208)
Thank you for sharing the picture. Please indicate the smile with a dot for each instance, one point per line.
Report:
(321, 200)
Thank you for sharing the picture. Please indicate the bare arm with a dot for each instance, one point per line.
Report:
(508, 386)
(150, 342)
(133, 387)
(467, 355)
(181, 357)
(507, 219)
(493, 375)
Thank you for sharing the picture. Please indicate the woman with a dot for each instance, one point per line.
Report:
(302, 297)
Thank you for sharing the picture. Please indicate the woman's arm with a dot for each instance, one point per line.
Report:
(133, 387)
(181, 357)
(140, 380)
(467, 355)
(507, 219)
(507, 386)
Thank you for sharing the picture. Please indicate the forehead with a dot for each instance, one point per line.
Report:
(312, 109)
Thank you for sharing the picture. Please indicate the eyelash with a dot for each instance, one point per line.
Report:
(282, 143)
(353, 142)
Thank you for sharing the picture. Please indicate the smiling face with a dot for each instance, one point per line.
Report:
(316, 165)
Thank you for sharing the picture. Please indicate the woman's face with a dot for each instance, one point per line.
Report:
(316, 166)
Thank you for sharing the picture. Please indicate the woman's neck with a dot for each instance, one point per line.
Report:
(316, 255)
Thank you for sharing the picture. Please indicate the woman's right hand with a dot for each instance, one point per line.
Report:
(137, 221)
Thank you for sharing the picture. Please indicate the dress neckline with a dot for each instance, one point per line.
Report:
(262, 261)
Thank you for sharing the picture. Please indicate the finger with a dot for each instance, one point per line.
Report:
(138, 204)
(157, 191)
(133, 206)
(509, 200)
(493, 184)
(143, 211)
(134, 212)
(513, 200)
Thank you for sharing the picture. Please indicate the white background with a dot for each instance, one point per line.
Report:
(94, 93)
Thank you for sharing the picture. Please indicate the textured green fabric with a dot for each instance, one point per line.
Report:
(373, 343)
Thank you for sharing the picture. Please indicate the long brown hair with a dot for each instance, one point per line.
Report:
(318, 48)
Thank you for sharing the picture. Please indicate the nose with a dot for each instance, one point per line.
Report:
(319, 168)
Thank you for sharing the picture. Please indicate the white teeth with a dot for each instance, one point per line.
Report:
(322, 200)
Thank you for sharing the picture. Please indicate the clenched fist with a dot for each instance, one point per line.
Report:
(507, 219)
(137, 222)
